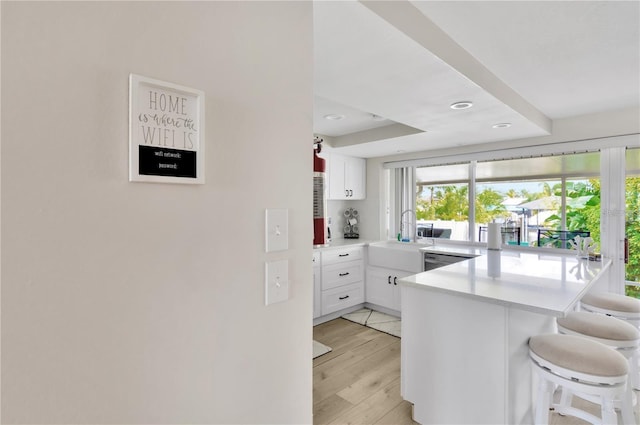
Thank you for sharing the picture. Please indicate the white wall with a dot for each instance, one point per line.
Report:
(144, 303)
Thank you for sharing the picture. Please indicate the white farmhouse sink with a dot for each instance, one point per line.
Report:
(396, 255)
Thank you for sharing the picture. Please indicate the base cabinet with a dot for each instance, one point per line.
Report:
(383, 288)
(342, 297)
(342, 279)
(317, 288)
(474, 354)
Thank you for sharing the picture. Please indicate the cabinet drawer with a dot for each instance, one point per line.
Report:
(341, 255)
(341, 274)
(316, 259)
(343, 297)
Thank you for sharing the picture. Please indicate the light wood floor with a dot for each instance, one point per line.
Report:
(359, 381)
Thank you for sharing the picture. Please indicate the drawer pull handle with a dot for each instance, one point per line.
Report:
(344, 298)
(389, 280)
(343, 255)
(343, 274)
(395, 280)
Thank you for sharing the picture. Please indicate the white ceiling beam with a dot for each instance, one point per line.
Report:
(405, 17)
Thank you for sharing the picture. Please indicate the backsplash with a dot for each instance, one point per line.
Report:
(338, 221)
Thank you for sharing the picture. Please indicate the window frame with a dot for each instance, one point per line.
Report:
(472, 183)
(600, 145)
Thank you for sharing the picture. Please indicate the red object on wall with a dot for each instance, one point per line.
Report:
(319, 200)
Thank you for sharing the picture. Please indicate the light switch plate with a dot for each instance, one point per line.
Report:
(276, 281)
(276, 230)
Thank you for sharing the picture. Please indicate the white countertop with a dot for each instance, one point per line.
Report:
(542, 283)
(341, 243)
(454, 249)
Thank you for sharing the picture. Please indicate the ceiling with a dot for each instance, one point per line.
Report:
(392, 70)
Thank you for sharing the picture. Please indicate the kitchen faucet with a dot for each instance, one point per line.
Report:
(412, 238)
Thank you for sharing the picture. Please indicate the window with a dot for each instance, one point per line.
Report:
(524, 206)
(540, 201)
(442, 201)
(545, 199)
(632, 222)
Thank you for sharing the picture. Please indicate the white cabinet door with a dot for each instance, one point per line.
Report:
(336, 176)
(317, 293)
(383, 288)
(346, 177)
(317, 285)
(398, 274)
(379, 287)
(355, 178)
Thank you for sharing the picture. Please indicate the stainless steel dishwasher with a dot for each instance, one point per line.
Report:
(435, 260)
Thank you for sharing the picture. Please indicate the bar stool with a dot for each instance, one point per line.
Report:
(612, 332)
(583, 366)
(618, 306)
(621, 307)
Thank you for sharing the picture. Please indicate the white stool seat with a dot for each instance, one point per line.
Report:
(576, 354)
(616, 305)
(605, 328)
(583, 366)
(621, 307)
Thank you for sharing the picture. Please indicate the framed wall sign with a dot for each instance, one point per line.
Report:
(166, 132)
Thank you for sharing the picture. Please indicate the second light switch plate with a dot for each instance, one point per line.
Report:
(276, 281)
(276, 229)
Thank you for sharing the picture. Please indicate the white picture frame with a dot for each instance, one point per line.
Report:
(166, 132)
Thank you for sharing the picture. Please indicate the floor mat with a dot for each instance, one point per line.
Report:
(376, 320)
(319, 349)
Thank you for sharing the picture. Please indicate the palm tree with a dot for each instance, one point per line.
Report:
(546, 190)
(511, 193)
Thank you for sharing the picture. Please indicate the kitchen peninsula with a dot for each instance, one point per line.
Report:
(465, 329)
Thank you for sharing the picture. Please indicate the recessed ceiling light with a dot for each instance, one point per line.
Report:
(334, 117)
(466, 104)
(502, 125)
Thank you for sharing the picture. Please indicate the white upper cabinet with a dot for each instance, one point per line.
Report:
(347, 177)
